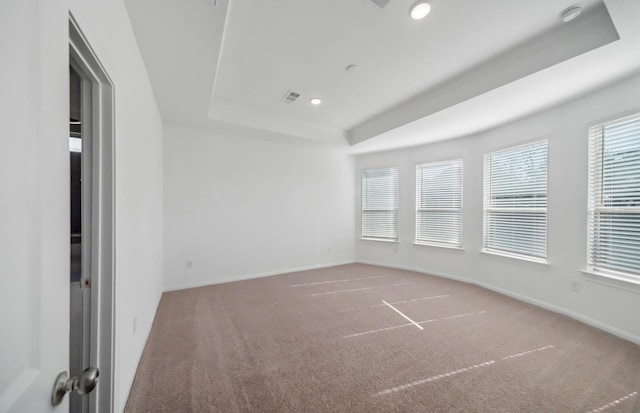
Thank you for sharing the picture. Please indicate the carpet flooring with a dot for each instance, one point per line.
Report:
(362, 338)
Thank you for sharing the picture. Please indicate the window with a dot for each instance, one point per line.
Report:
(614, 197)
(439, 203)
(380, 204)
(515, 201)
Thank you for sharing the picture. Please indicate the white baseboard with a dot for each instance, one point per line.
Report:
(547, 306)
(256, 275)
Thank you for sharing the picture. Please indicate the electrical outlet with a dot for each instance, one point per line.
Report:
(329, 250)
(575, 285)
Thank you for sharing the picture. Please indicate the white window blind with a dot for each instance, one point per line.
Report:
(515, 201)
(380, 204)
(439, 203)
(614, 196)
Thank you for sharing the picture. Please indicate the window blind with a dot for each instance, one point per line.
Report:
(380, 204)
(515, 200)
(614, 196)
(439, 203)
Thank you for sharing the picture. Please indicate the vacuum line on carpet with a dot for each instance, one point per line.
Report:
(358, 289)
(377, 331)
(403, 315)
(369, 278)
(457, 316)
(613, 403)
(421, 299)
(337, 281)
(392, 302)
(318, 283)
(462, 370)
(433, 320)
(526, 352)
(433, 378)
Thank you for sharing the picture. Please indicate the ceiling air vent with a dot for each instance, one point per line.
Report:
(381, 3)
(290, 97)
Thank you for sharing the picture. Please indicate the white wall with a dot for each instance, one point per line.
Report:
(608, 304)
(35, 98)
(238, 208)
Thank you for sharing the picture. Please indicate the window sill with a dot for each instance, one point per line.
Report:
(389, 241)
(522, 259)
(612, 279)
(439, 246)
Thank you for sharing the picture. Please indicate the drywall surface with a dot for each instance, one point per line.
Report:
(37, 145)
(602, 302)
(240, 208)
(139, 186)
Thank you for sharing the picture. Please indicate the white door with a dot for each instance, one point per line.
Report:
(37, 38)
(34, 203)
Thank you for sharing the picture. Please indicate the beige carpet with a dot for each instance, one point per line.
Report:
(325, 341)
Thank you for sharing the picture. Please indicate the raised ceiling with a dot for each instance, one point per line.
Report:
(467, 67)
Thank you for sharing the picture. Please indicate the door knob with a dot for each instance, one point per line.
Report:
(83, 384)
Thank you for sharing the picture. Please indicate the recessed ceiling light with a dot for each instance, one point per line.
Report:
(315, 101)
(419, 10)
(570, 13)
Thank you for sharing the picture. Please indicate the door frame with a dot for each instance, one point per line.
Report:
(103, 281)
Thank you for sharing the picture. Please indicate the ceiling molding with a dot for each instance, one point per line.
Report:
(592, 30)
(225, 68)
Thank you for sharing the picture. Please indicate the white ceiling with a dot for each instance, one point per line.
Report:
(467, 67)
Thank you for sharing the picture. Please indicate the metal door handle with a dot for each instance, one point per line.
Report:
(83, 384)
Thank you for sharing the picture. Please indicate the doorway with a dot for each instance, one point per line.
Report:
(92, 233)
(80, 230)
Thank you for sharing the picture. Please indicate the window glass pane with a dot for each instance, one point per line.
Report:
(519, 233)
(439, 227)
(618, 241)
(379, 224)
(621, 166)
(519, 177)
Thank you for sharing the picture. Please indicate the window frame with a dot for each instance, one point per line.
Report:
(487, 209)
(459, 210)
(395, 209)
(595, 192)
